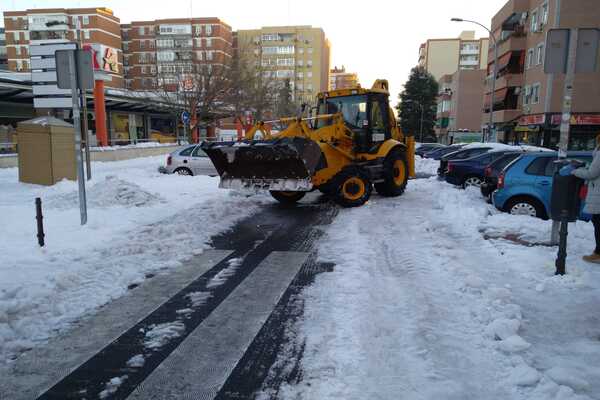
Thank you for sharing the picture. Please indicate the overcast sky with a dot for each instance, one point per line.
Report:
(375, 38)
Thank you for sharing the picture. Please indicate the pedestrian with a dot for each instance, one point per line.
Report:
(592, 201)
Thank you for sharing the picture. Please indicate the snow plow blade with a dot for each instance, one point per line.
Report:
(285, 164)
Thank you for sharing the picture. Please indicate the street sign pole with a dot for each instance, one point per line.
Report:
(86, 134)
(77, 125)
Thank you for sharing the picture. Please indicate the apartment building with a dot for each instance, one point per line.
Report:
(527, 102)
(99, 30)
(460, 101)
(298, 53)
(442, 57)
(340, 79)
(161, 52)
(3, 58)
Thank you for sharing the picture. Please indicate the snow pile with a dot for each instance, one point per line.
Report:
(426, 166)
(159, 335)
(112, 386)
(445, 298)
(42, 290)
(112, 192)
(136, 361)
(140, 145)
(224, 274)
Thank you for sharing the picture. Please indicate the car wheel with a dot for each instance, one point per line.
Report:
(474, 181)
(526, 206)
(183, 171)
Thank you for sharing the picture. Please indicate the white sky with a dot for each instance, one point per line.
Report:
(375, 38)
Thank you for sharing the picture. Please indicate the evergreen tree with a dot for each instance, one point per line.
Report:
(419, 95)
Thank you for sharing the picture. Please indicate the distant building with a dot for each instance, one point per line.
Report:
(528, 102)
(460, 102)
(162, 50)
(99, 29)
(442, 57)
(340, 79)
(3, 57)
(298, 53)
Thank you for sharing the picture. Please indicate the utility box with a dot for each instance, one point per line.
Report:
(46, 151)
(565, 201)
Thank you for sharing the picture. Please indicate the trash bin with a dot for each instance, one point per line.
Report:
(46, 151)
(565, 200)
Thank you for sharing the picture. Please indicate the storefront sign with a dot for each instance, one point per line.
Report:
(538, 119)
(578, 119)
(104, 58)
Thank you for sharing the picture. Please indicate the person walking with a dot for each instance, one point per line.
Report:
(592, 201)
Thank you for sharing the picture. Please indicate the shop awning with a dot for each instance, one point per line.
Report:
(499, 97)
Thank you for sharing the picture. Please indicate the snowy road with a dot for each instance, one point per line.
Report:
(434, 295)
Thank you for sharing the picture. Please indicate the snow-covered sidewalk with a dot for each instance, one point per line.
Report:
(140, 222)
(421, 306)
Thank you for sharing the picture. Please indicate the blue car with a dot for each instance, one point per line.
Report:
(471, 171)
(525, 186)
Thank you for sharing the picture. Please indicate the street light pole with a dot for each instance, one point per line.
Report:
(493, 94)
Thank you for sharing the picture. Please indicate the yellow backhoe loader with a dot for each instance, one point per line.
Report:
(352, 144)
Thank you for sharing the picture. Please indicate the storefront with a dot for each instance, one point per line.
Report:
(582, 135)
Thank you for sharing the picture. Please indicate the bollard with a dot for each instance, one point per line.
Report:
(40, 221)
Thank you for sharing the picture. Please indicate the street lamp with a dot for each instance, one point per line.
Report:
(493, 94)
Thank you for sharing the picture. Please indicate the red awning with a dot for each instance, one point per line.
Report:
(503, 62)
(499, 97)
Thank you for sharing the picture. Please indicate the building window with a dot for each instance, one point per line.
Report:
(142, 57)
(309, 87)
(309, 63)
(540, 54)
(300, 75)
(152, 69)
(545, 12)
(19, 65)
(526, 94)
(270, 37)
(18, 50)
(209, 55)
(208, 42)
(208, 30)
(309, 74)
(300, 63)
(310, 50)
(125, 46)
(141, 30)
(86, 19)
(534, 20)
(142, 44)
(86, 34)
(143, 69)
(530, 53)
(301, 50)
(535, 93)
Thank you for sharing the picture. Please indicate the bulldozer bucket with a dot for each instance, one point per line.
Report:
(285, 164)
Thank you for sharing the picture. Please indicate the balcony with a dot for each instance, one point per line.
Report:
(501, 116)
(469, 52)
(508, 80)
(513, 43)
(469, 62)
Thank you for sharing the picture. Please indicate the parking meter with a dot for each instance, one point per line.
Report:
(565, 203)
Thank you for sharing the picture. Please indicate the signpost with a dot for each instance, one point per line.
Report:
(74, 71)
(185, 119)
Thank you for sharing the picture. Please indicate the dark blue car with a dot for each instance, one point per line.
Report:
(439, 153)
(471, 171)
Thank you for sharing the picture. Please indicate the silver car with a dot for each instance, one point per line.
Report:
(188, 160)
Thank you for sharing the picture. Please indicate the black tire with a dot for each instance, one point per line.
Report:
(184, 171)
(525, 205)
(391, 187)
(287, 197)
(353, 187)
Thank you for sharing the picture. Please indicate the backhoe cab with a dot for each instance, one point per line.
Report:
(352, 145)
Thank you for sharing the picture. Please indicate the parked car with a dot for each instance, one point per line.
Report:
(471, 171)
(525, 185)
(189, 160)
(427, 147)
(493, 170)
(439, 153)
(462, 154)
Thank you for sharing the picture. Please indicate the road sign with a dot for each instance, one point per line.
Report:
(558, 46)
(43, 64)
(83, 63)
(185, 117)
